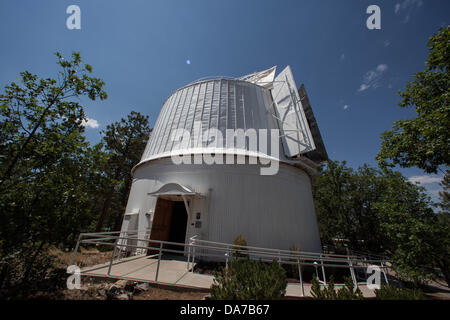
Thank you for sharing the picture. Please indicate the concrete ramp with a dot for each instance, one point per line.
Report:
(144, 269)
(174, 272)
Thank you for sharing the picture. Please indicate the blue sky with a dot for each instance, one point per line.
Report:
(140, 49)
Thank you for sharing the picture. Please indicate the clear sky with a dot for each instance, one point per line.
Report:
(141, 50)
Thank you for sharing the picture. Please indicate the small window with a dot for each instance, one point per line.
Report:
(198, 216)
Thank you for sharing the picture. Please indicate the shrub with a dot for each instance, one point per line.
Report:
(347, 292)
(29, 270)
(239, 241)
(316, 292)
(247, 279)
(388, 292)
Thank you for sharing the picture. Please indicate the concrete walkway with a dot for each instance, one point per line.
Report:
(174, 273)
(144, 268)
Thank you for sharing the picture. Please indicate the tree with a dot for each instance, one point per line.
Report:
(382, 212)
(441, 246)
(45, 163)
(344, 201)
(424, 141)
(124, 142)
(40, 108)
(445, 194)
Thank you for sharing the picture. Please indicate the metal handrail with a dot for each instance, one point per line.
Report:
(302, 254)
(224, 249)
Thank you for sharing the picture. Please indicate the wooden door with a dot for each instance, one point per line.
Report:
(162, 220)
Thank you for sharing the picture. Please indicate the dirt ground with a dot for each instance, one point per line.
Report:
(153, 293)
(166, 294)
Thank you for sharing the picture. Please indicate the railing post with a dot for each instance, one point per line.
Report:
(189, 255)
(120, 247)
(72, 260)
(159, 261)
(112, 257)
(193, 258)
(384, 272)
(352, 272)
(317, 272)
(323, 271)
(226, 260)
(300, 277)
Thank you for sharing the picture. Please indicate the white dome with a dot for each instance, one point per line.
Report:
(255, 115)
(213, 104)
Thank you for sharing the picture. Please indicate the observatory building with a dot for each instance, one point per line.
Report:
(229, 157)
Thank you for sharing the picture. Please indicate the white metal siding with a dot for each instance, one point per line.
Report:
(220, 104)
(296, 134)
(270, 211)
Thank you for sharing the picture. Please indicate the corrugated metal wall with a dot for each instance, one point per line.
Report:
(270, 211)
(220, 104)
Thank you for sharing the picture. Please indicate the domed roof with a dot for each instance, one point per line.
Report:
(220, 115)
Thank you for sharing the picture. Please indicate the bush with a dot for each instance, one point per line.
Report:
(347, 292)
(247, 279)
(316, 292)
(27, 271)
(388, 292)
(237, 251)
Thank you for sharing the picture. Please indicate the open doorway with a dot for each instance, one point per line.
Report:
(178, 225)
(169, 223)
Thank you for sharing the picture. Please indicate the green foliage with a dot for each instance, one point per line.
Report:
(348, 292)
(27, 270)
(239, 242)
(316, 291)
(445, 194)
(388, 292)
(423, 141)
(328, 292)
(47, 169)
(381, 212)
(248, 279)
(441, 244)
(53, 184)
(123, 141)
(44, 170)
(348, 203)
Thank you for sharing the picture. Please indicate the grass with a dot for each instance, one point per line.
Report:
(85, 257)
